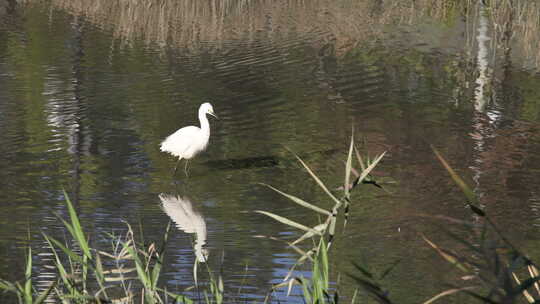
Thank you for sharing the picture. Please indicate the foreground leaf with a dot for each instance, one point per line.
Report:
(288, 222)
(300, 201)
(448, 256)
(319, 182)
(464, 188)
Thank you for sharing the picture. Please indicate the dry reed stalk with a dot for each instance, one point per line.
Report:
(188, 24)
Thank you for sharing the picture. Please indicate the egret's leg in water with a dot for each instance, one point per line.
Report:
(176, 167)
(185, 168)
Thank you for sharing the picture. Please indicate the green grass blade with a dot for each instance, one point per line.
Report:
(461, 184)
(353, 300)
(7, 286)
(99, 269)
(220, 290)
(323, 258)
(60, 267)
(177, 298)
(347, 186)
(28, 278)
(100, 275)
(319, 278)
(84, 271)
(319, 182)
(303, 254)
(159, 263)
(449, 257)
(300, 201)
(306, 290)
(321, 228)
(20, 292)
(155, 272)
(67, 225)
(359, 159)
(348, 168)
(143, 277)
(288, 222)
(70, 253)
(370, 167)
(206, 297)
(77, 229)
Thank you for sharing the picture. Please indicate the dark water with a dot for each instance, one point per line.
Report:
(86, 96)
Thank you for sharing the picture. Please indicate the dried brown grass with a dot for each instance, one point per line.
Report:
(188, 24)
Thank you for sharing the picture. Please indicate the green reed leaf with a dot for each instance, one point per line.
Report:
(60, 267)
(359, 159)
(288, 222)
(462, 185)
(177, 298)
(77, 231)
(319, 182)
(321, 228)
(7, 286)
(141, 273)
(70, 253)
(28, 278)
(348, 168)
(447, 256)
(299, 201)
(372, 165)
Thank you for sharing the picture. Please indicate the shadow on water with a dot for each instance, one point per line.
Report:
(264, 161)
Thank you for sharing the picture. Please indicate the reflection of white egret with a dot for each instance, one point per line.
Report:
(189, 141)
(181, 211)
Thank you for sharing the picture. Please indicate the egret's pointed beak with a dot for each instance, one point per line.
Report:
(213, 114)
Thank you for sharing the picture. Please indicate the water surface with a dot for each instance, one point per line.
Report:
(88, 91)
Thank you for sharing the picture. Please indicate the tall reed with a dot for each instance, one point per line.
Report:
(189, 24)
(323, 234)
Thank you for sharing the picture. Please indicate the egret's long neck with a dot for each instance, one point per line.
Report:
(205, 126)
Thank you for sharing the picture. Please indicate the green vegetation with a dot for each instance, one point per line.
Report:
(492, 265)
(83, 278)
(80, 266)
(316, 290)
(489, 260)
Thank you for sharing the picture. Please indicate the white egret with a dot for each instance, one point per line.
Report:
(189, 141)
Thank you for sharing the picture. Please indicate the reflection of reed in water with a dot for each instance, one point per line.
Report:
(181, 212)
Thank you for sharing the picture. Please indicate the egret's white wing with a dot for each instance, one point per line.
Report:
(181, 140)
